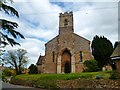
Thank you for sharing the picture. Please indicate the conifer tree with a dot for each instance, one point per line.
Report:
(102, 49)
(7, 28)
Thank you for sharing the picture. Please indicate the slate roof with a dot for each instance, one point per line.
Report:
(41, 60)
(116, 52)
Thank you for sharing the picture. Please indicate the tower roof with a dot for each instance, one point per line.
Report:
(66, 13)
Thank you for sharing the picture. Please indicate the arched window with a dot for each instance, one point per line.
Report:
(53, 56)
(65, 22)
(81, 56)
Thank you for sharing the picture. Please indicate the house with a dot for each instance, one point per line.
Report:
(116, 56)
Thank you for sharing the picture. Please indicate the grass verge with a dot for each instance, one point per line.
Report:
(49, 80)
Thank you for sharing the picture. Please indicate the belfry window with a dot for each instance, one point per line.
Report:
(81, 56)
(65, 22)
(53, 56)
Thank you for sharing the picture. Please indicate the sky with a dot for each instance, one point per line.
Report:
(39, 22)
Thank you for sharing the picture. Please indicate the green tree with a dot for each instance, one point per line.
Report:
(101, 50)
(16, 58)
(7, 28)
(91, 65)
(33, 69)
(2, 60)
(115, 45)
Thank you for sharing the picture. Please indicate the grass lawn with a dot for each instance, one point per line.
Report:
(50, 80)
(85, 75)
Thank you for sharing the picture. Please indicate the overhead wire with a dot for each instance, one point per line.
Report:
(102, 8)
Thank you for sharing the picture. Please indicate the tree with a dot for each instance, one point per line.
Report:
(115, 45)
(22, 58)
(33, 69)
(7, 28)
(101, 50)
(1, 59)
(16, 58)
(91, 65)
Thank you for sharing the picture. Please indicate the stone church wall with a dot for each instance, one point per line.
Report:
(50, 65)
(83, 45)
(79, 67)
(40, 69)
(56, 60)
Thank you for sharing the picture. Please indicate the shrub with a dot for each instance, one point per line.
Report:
(4, 79)
(91, 65)
(33, 69)
(8, 72)
(99, 77)
(114, 75)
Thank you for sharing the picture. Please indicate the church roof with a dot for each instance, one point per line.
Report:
(52, 39)
(81, 37)
(40, 60)
(116, 52)
(73, 34)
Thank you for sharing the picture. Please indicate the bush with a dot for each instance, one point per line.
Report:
(33, 69)
(91, 66)
(4, 78)
(8, 72)
(114, 75)
(99, 77)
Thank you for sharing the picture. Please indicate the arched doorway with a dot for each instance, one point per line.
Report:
(66, 61)
(67, 68)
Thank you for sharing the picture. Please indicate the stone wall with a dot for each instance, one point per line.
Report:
(86, 84)
(74, 44)
(118, 65)
(40, 69)
(50, 47)
(66, 40)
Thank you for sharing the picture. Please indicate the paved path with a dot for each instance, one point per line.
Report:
(7, 86)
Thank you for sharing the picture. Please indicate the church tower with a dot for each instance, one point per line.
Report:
(67, 51)
(65, 31)
(66, 23)
(66, 43)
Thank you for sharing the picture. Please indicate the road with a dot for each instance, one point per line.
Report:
(7, 86)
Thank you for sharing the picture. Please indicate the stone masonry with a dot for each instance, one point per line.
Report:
(67, 51)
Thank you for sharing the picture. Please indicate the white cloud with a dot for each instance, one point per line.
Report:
(100, 19)
(39, 21)
(84, 0)
(33, 46)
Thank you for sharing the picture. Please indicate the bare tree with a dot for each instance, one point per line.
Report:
(22, 58)
(16, 58)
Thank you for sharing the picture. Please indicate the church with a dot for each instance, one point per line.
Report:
(66, 52)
